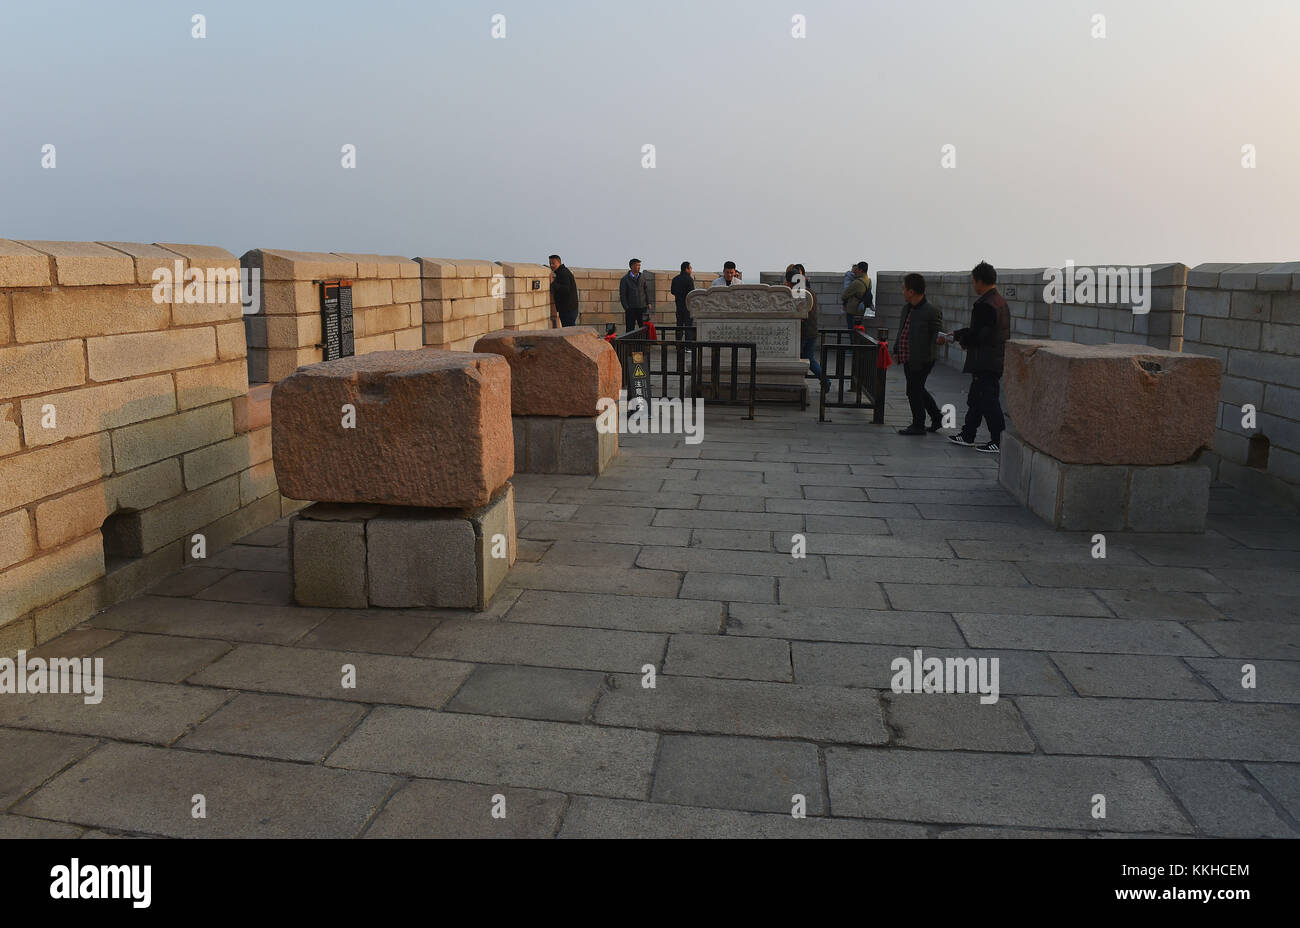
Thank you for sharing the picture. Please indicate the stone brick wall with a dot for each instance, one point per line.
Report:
(528, 296)
(126, 426)
(286, 332)
(1248, 316)
(463, 299)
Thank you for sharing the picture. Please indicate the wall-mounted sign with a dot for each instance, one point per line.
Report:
(336, 319)
(638, 379)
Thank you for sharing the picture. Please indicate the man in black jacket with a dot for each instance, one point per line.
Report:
(636, 296)
(564, 293)
(918, 334)
(985, 342)
(683, 284)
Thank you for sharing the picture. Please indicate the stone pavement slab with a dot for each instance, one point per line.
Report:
(589, 817)
(544, 646)
(145, 789)
(279, 727)
(443, 809)
(131, 710)
(824, 663)
(1222, 802)
(1133, 676)
(955, 723)
(160, 658)
(1274, 681)
(738, 773)
(869, 626)
(1079, 634)
(729, 657)
(626, 613)
(585, 759)
(736, 707)
(742, 588)
(528, 693)
(29, 758)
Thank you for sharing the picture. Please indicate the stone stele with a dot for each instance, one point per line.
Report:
(766, 315)
(432, 429)
(556, 372)
(1111, 404)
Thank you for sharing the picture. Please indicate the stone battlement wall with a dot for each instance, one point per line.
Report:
(126, 427)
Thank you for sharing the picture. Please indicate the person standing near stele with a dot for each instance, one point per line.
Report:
(564, 293)
(921, 331)
(683, 284)
(729, 276)
(985, 342)
(635, 296)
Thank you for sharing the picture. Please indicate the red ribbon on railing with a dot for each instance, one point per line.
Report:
(883, 357)
(650, 331)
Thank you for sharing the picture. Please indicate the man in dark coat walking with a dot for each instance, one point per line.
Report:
(683, 284)
(918, 334)
(564, 293)
(985, 342)
(636, 296)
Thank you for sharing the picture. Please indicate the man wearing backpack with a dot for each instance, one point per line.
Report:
(857, 294)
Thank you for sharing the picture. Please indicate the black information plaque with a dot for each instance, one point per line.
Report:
(336, 320)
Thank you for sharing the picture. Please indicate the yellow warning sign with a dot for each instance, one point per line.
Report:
(639, 372)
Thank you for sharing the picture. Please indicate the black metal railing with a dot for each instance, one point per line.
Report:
(857, 379)
(695, 368)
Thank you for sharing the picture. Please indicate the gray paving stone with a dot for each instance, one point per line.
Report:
(1247, 580)
(716, 487)
(618, 515)
(747, 521)
(735, 540)
(1018, 834)
(600, 497)
(1251, 639)
(544, 646)
(1100, 576)
(854, 494)
(279, 727)
(18, 826)
(189, 581)
(704, 465)
(81, 641)
(29, 758)
(868, 665)
(968, 530)
(964, 496)
(377, 631)
(592, 556)
(956, 573)
(729, 657)
(161, 658)
(251, 557)
(845, 525)
(860, 594)
(137, 788)
(1005, 600)
(448, 810)
(1283, 783)
(955, 723)
(271, 536)
(835, 624)
(530, 551)
(1260, 607)
(160, 615)
(567, 579)
(1131, 676)
(509, 752)
(1275, 681)
(613, 818)
(1175, 606)
(528, 693)
(1222, 802)
(721, 503)
(999, 789)
(1161, 728)
(830, 507)
(736, 707)
(270, 588)
(759, 564)
(626, 613)
(547, 512)
(605, 534)
(846, 552)
(131, 710)
(1063, 552)
(1080, 635)
(380, 678)
(1011, 515)
(738, 773)
(744, 588)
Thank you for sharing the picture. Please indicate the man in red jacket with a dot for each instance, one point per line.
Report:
(985, 342)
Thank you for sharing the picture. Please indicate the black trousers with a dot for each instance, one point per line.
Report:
(633, 319)
(684, 321)
(568, 317)
(982, 404)
(918, 397)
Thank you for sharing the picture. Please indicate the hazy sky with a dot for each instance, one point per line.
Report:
(769, 149)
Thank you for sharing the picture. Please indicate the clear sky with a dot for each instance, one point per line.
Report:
(769, 149)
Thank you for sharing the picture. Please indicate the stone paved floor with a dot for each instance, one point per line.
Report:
(1120, 678)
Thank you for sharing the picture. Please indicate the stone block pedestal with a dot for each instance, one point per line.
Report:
(1105, 497)
(355, 555)
(562, 445)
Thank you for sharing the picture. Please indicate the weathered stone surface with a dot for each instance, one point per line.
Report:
(556, 372)
(329, 562)
(432, 430)
(1111, 404)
